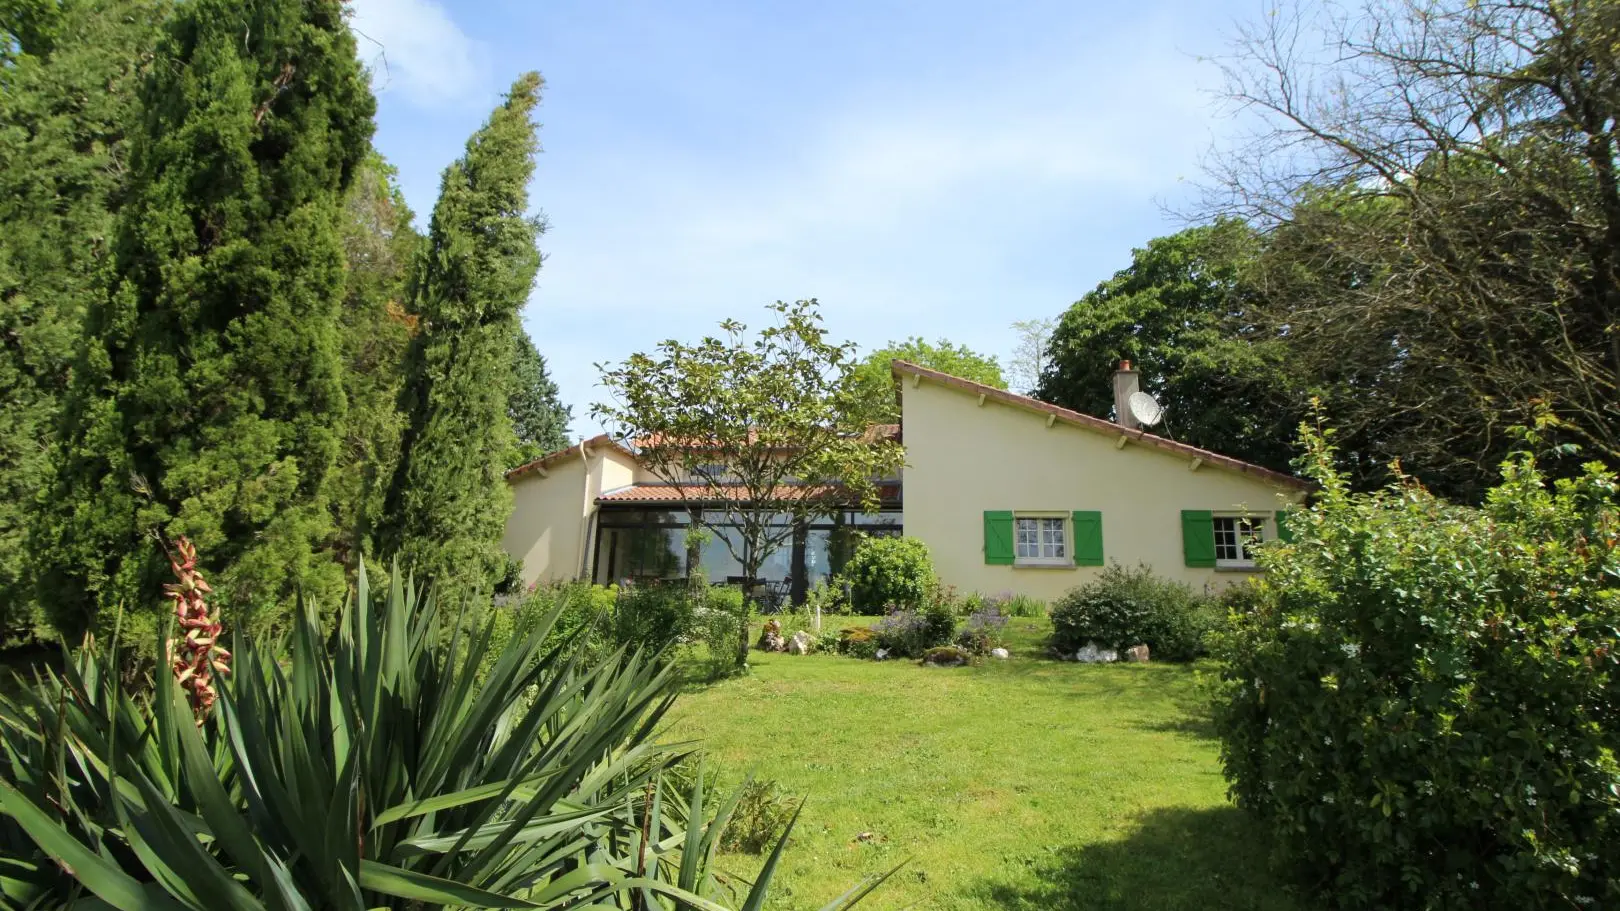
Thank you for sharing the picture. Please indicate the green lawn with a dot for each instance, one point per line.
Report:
(1026, 784)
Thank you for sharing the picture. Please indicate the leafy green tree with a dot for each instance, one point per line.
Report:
(447, 505)
(375, 329)
(759, 435)
(1179, 313)
(877, 381)
(68, 77)
(207, 398)
(1457, 161)
(539, 418)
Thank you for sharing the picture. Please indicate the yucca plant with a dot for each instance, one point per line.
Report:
(380, 770)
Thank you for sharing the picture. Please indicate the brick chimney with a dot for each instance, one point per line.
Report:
(1125, 382)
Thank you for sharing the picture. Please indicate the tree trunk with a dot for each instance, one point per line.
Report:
(750, 570)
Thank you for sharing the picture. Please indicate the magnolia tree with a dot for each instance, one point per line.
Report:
(758, 433)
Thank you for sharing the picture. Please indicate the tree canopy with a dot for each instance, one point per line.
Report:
(1181, 314)
(1442, 193)
(877, 382)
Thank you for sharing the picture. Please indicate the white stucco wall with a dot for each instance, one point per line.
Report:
(551, 527)
(544, 528)
(963, 458)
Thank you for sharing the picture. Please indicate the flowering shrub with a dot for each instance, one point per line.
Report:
(889, 572)
(908, 633)
(1010, 605)
(1125, 607)
(1423, 700)
(982, 631)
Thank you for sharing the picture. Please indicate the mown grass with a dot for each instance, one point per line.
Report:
(1025, 784)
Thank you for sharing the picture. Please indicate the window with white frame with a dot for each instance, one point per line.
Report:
(1041, 540)
(1235, 537)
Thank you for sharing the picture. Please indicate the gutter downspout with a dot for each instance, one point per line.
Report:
(587, 514)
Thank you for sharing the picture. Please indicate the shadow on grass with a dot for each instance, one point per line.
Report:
(1175, 859)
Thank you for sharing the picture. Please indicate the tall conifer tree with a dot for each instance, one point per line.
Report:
(208, 393)
(68, 77)
(539, 418)
(447, 507)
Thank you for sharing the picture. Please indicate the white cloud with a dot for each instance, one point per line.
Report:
(415, 48)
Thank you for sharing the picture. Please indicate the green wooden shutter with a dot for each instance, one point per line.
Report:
(1284, 534)
(1198, 536)
(998, 538)
(1088, 540)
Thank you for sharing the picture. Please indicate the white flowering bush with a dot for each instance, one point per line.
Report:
(1423, 700)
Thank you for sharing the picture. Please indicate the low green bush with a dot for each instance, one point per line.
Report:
(859, 642)
(889, 572)
(1124, 606)
(982, 631)
(1422, 700)
(714, 619)
(652, 615)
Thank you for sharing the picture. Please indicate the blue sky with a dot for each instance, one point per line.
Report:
(935, 169)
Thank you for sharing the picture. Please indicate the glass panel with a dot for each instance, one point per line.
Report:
(716, 559)
(890, 519)
(818, 547)
(655, 553)
(620, 517)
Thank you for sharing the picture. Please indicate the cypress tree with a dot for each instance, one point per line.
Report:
(208, 393)
(68, 75)
(447, 507)
(380, 247)
(539, 418)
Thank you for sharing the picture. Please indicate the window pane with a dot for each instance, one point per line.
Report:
(1029, 538)
(1226, 538)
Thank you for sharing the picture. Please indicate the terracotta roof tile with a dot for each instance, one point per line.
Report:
(668, 493)
(1099, 425)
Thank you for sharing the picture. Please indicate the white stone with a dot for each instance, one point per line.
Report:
(1091, 654)
(881, 654)
(799, 644)
(999, 653)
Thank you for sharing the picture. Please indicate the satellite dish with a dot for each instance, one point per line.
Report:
(1145, 408)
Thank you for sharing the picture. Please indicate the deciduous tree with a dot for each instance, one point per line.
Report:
(877, 381)
(1448, 169)
(758, 433)
(1180, 314)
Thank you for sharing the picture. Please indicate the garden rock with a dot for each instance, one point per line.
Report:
(799, 644)
(945, 656)
(770, 638)
(1091, 654)
(1000, 653)
(1136, 653)
(881, 654)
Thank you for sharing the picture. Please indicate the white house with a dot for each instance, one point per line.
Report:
(1010, 494)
